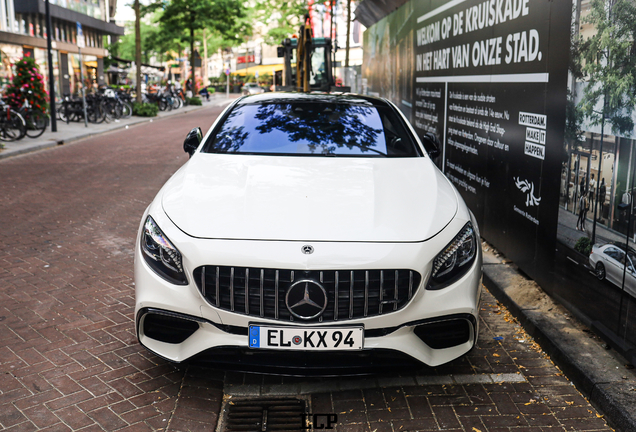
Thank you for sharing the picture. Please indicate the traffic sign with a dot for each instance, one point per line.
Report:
(81, 42)
(227, 71)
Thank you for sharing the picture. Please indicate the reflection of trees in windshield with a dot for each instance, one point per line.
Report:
(312, 128)
(231, 137)
(323, 127)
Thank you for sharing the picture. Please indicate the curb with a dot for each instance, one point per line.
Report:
(34, 148)
(598, 374)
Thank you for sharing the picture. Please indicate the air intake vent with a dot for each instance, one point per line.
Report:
(168, 329)
(262, 415)
(445, 334)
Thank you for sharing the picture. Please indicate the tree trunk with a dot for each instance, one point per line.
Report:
(138, 50)
(348, 33)
(194, 83)
(204, 64)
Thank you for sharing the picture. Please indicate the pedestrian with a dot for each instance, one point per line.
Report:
(188, 86)
(592, 190)
(204, 92)
(584, 206)
(602, 191)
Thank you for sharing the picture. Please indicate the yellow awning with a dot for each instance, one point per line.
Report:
(261, 69)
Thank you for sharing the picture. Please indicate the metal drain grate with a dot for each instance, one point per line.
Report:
(263, 415)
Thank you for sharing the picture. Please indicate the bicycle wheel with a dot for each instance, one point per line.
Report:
(12, 126)
(94, 113)
(126, 110)
(36, 123)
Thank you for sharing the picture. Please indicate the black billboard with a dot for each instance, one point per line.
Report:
(490, 79)
(546, 162)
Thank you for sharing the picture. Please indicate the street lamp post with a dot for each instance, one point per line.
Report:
(49, 48)
(81, 43)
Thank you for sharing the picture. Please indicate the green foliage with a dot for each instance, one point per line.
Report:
(574, 134)
(155, 41)
(289, 15)
(583, 245)
(608, 60)
(185, 17)
(217, 41)
(145, 109)
(194, 101)
(27, 83)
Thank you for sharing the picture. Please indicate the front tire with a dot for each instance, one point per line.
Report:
(36, 124)
(600, 271)
(126, 110)
(13, 127)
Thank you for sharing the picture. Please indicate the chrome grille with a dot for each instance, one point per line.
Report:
(351, 294)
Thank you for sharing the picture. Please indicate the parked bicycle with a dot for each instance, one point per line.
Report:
(36, 121)
(114, 104)
(72, 109)
(12, 124)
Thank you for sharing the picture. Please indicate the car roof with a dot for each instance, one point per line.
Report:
(620, 246)
(282, 97)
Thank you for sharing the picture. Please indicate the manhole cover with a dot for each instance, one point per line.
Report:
(263, 415)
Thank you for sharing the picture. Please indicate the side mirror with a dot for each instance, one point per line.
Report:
(192, 141)
(431, 144)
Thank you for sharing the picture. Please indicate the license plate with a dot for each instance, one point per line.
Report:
(307, 338)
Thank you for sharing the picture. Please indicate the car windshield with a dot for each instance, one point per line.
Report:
(313, 129)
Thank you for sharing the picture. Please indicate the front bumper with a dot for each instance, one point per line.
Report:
(403, 331)
(170, 333)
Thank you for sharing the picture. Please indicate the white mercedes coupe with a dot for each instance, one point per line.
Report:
(308, 232)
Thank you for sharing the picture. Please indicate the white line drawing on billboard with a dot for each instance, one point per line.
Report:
(527, 187)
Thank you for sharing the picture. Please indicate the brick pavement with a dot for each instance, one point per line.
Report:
(69, 356)
(501, 385)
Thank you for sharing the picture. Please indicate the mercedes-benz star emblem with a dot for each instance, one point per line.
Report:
(306, 299)
(307, 249)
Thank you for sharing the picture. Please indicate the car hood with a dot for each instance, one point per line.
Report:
(309, 198)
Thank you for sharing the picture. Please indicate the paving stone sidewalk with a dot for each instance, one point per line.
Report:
(506, 383)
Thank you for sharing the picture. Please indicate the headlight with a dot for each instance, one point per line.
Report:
(455, 260)
(161, 255)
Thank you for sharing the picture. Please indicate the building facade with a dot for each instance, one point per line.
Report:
(23, 32)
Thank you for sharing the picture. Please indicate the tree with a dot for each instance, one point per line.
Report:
(608, 60)
(138, 50)
(609, 65)
(286, 15)
(27, 83)
(220, 16)
(154, 42)
(348, 33)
